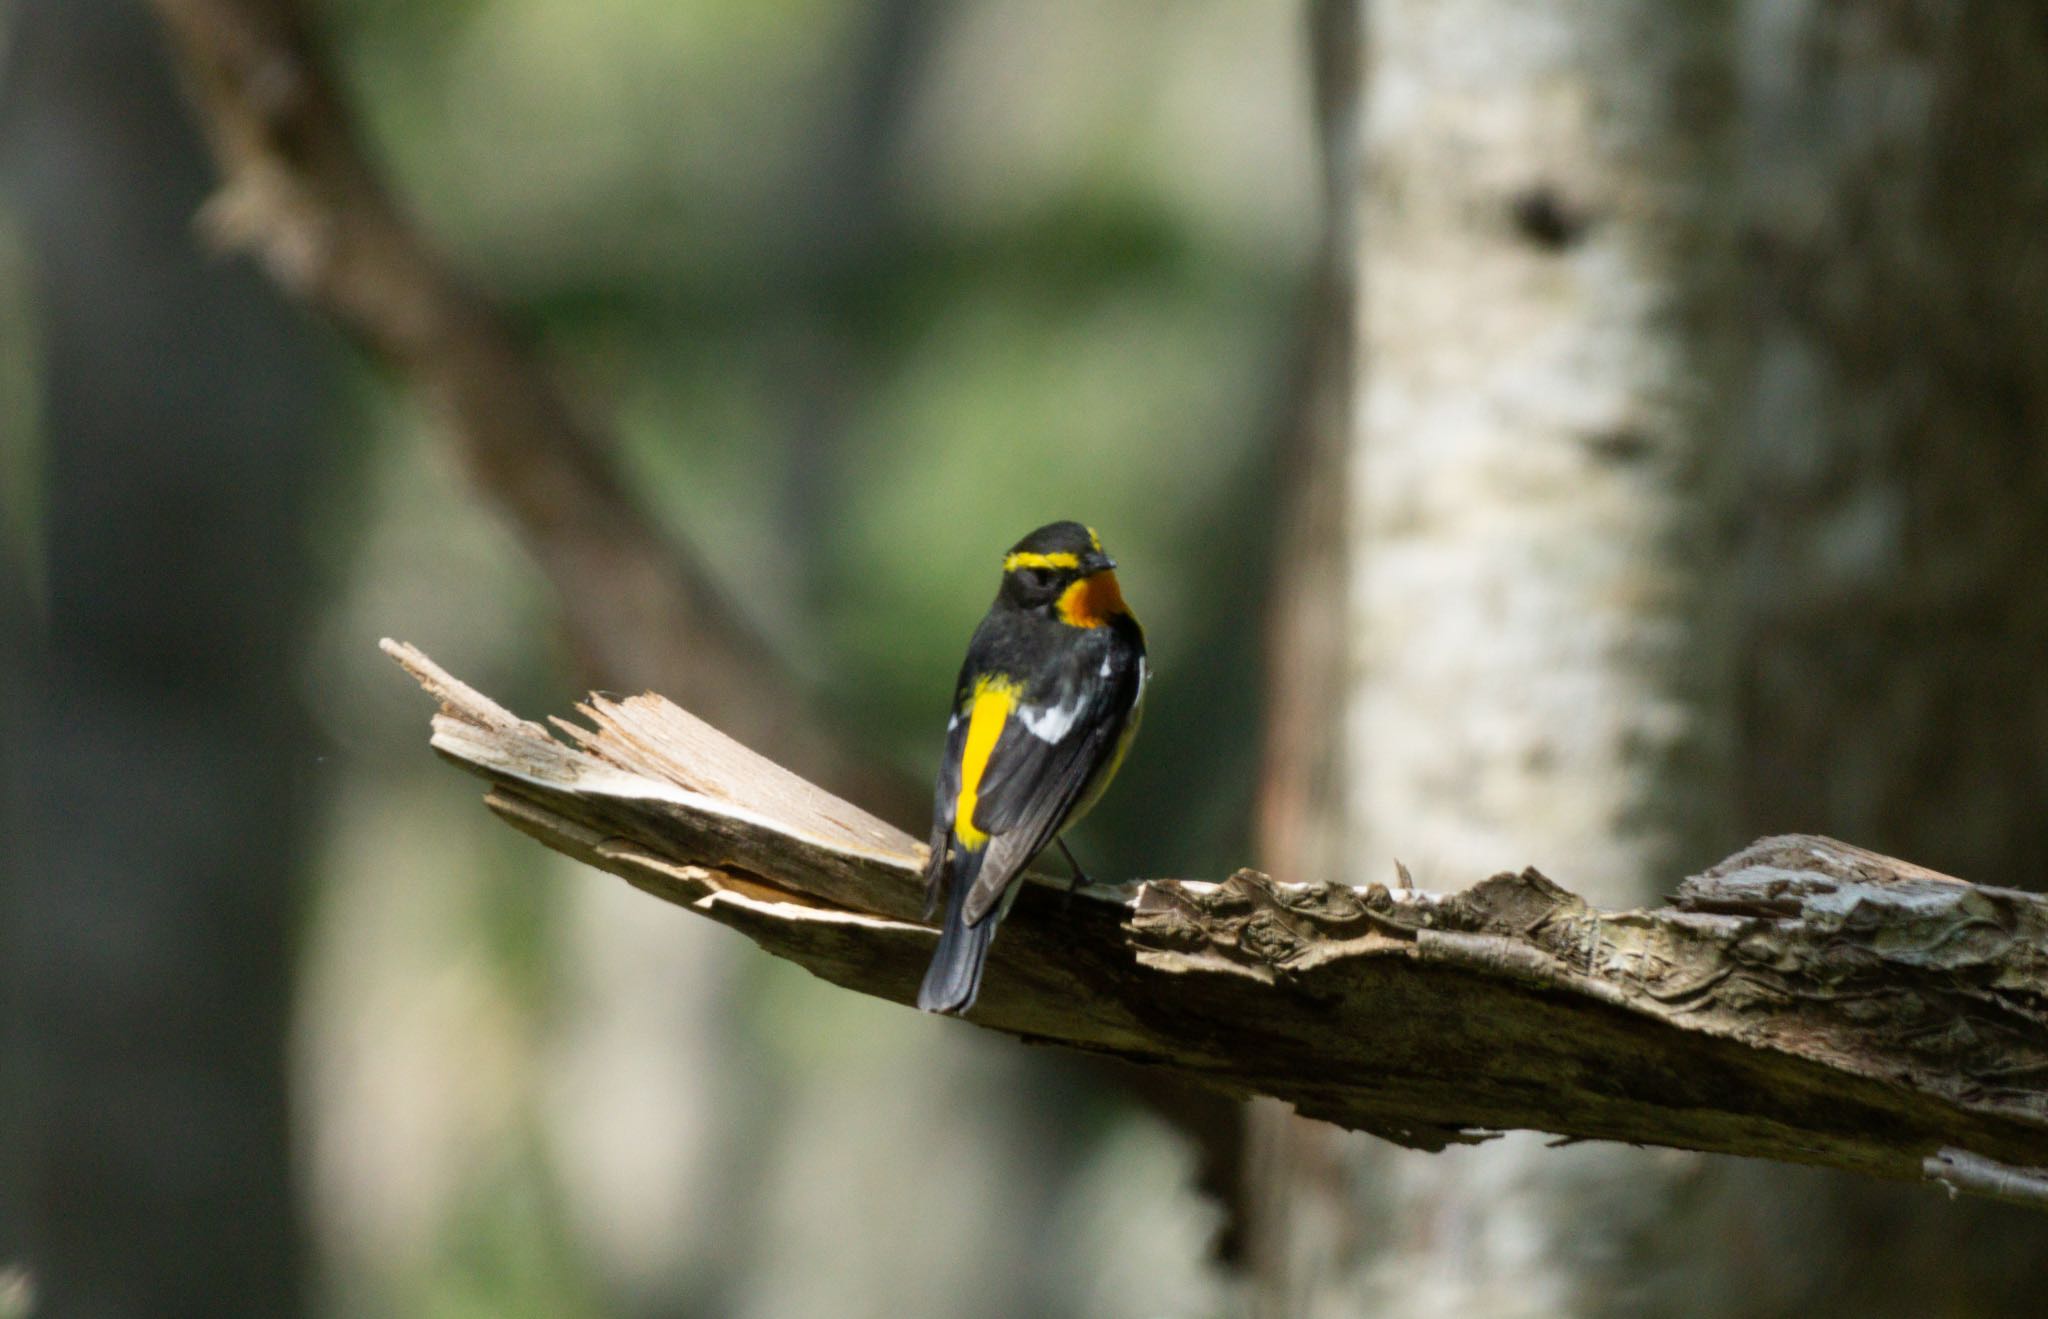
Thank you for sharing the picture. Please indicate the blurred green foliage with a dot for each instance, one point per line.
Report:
(851, 426)
(867, 291)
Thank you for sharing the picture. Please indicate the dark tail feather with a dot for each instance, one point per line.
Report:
(954, 977)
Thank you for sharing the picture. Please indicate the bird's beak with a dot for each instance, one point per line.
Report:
(1096, 562)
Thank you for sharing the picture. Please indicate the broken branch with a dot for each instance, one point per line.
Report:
(1805, 1000)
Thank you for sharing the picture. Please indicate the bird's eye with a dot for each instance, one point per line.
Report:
(1038, 579)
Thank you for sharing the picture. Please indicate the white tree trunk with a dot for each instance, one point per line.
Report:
(1540, 478)
(1542, 467)
(1541, 623)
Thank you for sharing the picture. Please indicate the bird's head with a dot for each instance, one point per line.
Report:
(1060, 570)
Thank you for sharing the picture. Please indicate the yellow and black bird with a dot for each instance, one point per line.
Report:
(1046, 705)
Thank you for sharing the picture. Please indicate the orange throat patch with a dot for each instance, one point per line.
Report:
(1092, 601)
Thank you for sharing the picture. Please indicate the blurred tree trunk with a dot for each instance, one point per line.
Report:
(1897, 562)
(154, 805)
(1895, 606)
(1538, 585)
(1546, 668)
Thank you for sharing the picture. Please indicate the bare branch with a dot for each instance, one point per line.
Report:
(1805, 1000)
(300, 194)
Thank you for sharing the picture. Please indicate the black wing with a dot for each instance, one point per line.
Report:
(1043, 764)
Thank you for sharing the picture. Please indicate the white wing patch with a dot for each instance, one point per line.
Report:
(1050, 725)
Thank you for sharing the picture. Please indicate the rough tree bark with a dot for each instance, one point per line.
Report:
(1805, 1000)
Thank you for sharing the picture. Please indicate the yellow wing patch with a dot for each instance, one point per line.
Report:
(989, 709)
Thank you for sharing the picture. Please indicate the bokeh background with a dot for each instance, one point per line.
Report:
(1533, 432)
(867, 291)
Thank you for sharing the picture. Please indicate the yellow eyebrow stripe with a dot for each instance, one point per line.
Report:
(993, 700)
(1026, 559)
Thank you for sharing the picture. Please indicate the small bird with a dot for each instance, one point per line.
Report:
(1047, 702)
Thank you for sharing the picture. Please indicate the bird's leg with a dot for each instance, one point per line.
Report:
(1079, 876)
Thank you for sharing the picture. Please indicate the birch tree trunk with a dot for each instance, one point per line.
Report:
(1539, 589)
(1552, 412)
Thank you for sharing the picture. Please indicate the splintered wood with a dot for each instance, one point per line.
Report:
(1804, 1000)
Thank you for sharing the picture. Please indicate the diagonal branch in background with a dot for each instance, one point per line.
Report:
(299, 193)
(1804, 1000)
